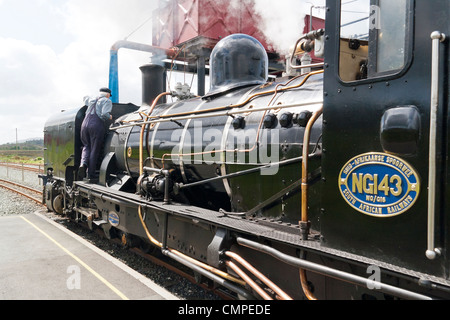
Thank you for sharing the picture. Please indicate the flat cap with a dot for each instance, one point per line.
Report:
(105, 90)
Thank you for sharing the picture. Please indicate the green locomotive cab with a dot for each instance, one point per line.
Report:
(385, 134)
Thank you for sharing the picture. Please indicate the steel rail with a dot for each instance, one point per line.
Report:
(2, 185)
(17, 166)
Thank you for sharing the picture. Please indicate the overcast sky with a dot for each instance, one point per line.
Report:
(55, 52)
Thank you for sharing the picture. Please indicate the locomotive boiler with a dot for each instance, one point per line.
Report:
(329, 182)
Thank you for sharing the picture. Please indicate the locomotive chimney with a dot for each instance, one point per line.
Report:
(153, 83)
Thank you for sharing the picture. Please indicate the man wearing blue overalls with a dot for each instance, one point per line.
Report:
(93, 132)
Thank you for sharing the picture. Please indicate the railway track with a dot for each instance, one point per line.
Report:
(30, 193)
(36, 196)
(24, 167)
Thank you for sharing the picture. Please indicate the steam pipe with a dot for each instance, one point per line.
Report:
(114, 61)
(248, 280)
(227, 284)
(330, 272)
(312, 36)
(258, 274)
(185, 258)
(311, 15)
(203, 114)
(189, 114)
(141, 138)
(304, 280)
(304, 223)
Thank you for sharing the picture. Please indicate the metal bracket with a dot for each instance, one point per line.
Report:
(216, 246)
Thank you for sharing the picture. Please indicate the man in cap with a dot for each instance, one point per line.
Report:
(93, 132)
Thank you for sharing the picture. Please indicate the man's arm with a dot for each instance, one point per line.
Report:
(106, 109)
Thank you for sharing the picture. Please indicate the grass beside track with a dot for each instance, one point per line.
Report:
(22, 156)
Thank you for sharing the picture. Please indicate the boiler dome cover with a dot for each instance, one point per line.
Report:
(236, 61)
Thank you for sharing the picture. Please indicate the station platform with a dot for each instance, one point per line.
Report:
(41, 260)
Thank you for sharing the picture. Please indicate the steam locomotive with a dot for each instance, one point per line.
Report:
(329, 182)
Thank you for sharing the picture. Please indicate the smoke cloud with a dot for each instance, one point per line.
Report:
(282, 21)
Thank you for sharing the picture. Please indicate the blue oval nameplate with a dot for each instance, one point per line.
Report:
(114, 219)
(379, 184)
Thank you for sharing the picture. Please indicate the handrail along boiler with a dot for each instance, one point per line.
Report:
(329, 182)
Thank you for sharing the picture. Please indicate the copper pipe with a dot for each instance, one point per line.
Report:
(259, 275)
(248, 280)
(305, 152)
(274, 92)
(304, 207)
(187, 113)
(304, 282)
(149, 116)
(196, 262)
(221, 108)
(208, 267)
(141, 139)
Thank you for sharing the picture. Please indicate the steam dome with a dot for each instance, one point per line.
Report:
(237, 60)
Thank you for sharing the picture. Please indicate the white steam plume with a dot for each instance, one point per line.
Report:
(283, 21)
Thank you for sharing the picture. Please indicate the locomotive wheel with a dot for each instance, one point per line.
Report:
(58, 204)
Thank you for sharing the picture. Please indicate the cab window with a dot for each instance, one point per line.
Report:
(373, 38)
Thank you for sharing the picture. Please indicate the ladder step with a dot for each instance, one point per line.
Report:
(100, 222)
